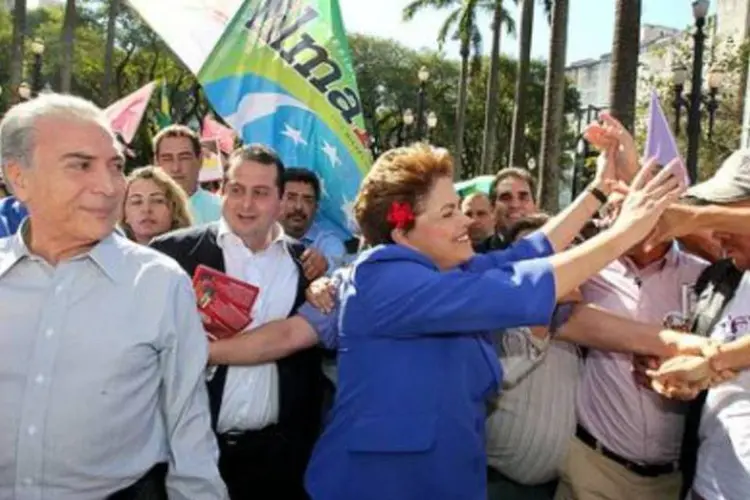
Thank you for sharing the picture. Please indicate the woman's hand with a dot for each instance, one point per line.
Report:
(611, 135)
(648, 198)
(321, 294)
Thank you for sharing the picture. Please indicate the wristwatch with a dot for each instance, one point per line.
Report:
(598, 194)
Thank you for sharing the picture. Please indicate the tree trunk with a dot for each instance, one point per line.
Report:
(552, 115)
(463, 85)
(109, 51)
(624, 73)
(68, 40)
(16, 49)
(518, 130)
(491, 110)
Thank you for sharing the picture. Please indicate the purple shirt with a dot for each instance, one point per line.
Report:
(633, 422)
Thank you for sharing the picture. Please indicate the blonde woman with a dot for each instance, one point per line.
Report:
(154, 204)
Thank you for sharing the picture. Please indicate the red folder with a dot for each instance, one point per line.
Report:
(225, 303)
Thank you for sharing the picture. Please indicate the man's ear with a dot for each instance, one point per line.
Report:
(18, 180)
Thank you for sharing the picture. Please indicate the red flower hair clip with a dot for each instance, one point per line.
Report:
(400, 215)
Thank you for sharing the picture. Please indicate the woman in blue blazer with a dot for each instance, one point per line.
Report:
(416, 365)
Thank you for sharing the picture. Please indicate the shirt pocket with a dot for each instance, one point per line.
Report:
(393, 434)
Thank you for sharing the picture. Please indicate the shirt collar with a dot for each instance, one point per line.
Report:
(672, 258)
(15, 250)
(225, 236)
(107, 254)
(311, 234)
(197, 194)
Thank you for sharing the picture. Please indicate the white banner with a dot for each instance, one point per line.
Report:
(191, 28)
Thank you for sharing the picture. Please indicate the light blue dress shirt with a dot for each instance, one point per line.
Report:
(328, 244)
(205, 207)
(102, 361)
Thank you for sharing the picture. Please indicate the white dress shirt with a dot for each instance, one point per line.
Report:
(251, 393)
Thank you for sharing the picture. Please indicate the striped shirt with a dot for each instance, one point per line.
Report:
(528, 434)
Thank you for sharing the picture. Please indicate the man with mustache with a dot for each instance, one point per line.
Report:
(299, 205)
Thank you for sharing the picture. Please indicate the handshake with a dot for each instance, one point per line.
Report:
(691, 370)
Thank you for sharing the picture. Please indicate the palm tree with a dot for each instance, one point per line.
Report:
(500, 16)
(109, 50)
(16, 49)
(552, 114)
(624, 72)
(518, 129)
(461, 25)
(67, 39)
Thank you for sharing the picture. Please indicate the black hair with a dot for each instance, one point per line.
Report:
(303, 175)
(259, 154)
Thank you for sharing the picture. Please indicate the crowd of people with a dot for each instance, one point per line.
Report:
(470, 349)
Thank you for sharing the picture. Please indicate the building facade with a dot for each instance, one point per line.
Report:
(592, 76)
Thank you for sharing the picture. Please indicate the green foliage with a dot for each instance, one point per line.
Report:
(386, 74)
(388, 84)
(725, 55)
(6, 28)
(139, 57)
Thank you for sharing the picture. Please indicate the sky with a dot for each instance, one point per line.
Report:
(590, 24)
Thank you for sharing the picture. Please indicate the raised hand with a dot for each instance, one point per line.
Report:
(611, 135)
(648, 197)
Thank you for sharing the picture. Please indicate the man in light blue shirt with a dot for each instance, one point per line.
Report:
(102, 351)
(177, 150)
(298, 209)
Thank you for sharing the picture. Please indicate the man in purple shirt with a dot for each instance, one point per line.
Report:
(627, 443)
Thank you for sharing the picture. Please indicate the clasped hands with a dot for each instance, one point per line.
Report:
(689, 371)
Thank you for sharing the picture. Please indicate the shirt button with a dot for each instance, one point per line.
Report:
(49, 332)
(28, 481)
(32, 430)
(39, 379)
(59, 289)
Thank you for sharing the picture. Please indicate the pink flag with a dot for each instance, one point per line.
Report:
(216, 131)
(126, 114)
(660, 143)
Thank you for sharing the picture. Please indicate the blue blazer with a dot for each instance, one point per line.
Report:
(12, 213)
(416, 366)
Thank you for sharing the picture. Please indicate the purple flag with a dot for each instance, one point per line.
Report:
(660, 143)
